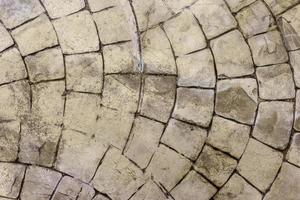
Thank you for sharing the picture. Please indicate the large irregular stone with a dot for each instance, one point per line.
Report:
(295, 63)
(117, 176)
(12, 66)
(14, 13)
(97, 5)
(196, 69)
(225, 50)
(9, 140)
(275, 82)
(11, 177)
(194, 187)
(77, 33)
(39, 183)
(279, 6)
(228, 136)
(75, 146)
(286, 185)
(35, 35)
(185, 33)
(214, 17)
(293, 154)
(268, 48)
(215, 165)
(5, 38)
(194, 105)
(145, 138)
(236, 5)
(184, 138)
(237, 99)
(45, 65)
(168, 167)
(297, 112)
(150, 191)
(259, 164)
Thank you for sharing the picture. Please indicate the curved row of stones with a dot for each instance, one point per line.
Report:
(197, 100)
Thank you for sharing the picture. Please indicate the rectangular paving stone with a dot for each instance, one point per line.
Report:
(279, 6)
(236, 5)
(97, 5)
(9, 140)
(5, 38)
(293, 154)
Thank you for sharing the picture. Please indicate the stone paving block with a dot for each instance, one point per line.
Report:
(194, 187)
(237, 99)
(196, 69)
(150, 191)
(145, 139)
(12, 66)
(39, 183)
(293, 154)
(273, 126)
(297, 112)
(159, 97)
(215, 165)
(236, 5)
(279, 6)
(260, 164)
(5, 38)
(157, 52)
(84, 72)
(225, 49)
(11, 177)
(100, 197)
(57, 8)
(97, 5)
(228, 136)
(237, 188)
(14, 13)
(185, 33)
(77, 33)
(9, 140)
(214, 16)
(168, 167)
(45, 65)
(40, 30)
(275, 82)
(194, 105)
(295, 64)
(184, 138)
(117, 176)
(268, 48)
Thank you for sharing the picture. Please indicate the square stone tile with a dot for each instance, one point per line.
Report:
(194, 105)
(275, 82)
(5, 38)
(225, 49)
(117, 176)
(293, 154)
(9, 140)
(184, 138)
(77, 33)
(260, 164)
(97, 5)
(279, 6)
(84, 72)
(196, 69)
(168, 167)
(57, 8)
(236, 5)
(194, 187)
(14, 13)
(297, 112)
(150, 191)
(214, 16)
(268, 48)
(145, 139)
(215, 165)
(40, 30)
(228, 136)
(237, 99)
(185, 33)
(295, 64)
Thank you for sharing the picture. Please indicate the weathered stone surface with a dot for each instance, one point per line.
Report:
(215, 165)
(100, 197)
(184, 138)
(286, 185)
(185, 33)
(150, 191)
(295, 64)
(214, 16)
(268, 48)
(273, 126)
(237, 188)
(196, 69)
(228, 136)
(9, 139)
(279, 6)
(45, 65)
(117, 176)
(97, 5)
(77, 33)
(11, 177)
(236, 5)
(297, 112)
(145, 138)
(194, 105)
(237, 99)
(40, 30)
(275, 82)
(259, 164)
(5, 38)
(194, 187)
(225, 50)
(293, 154)
(168, 167)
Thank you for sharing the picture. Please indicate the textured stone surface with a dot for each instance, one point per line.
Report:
(293, 154)
(236, 5)
(150, 191)
(6, 40)
(9, 138)
(278, 6)
(295, 64)
(297, 112)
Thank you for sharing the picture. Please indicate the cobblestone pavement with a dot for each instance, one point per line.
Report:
(149, 99)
